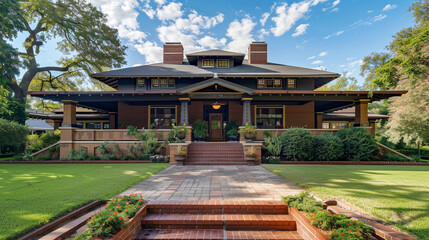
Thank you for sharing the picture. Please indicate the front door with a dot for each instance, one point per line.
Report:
(215, 127)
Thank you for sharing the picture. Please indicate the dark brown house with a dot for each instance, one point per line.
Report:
(217, 86)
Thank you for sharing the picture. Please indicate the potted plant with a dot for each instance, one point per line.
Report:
(180, 131)
(250, 158)
(232, 134)
(200, 129)
(180, 157)
(249, 132)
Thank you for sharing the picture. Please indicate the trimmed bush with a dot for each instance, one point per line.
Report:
(297, 144)
(328, 147)
(390, 157)
(13, 137)
(303, 202)
(36, 142)
(358, 144)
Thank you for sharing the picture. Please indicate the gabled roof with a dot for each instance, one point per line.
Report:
(213, 81)
(38, 124)
(243, 70)
(216, 52)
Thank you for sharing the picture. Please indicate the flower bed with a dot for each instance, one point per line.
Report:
(117, 215)
(337, 226)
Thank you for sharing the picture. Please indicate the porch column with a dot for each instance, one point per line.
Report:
(372, 124)
(69, 114)
(184, 119)
(319, 120)
(112, 120)
(246, 111)
(361, 112)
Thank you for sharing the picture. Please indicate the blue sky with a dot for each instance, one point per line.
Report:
(332, 34)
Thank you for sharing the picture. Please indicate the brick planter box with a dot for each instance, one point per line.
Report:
(133, 226)
(76, 162)
(304, 227)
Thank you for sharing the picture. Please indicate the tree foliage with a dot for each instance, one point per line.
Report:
(406, 67)
(88, 44)
(342, 83)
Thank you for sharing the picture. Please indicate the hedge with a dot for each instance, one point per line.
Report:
(328, 147)
(297, 144)
(358, 144)
(13, 137)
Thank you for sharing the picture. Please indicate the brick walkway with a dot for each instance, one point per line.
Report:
(213, 183)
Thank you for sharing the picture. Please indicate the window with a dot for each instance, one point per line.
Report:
(79, 124)
(140, 83)
(325, 125)
(162, 117)
(291, 83)
(223, 63)
(106, 126)
(269, 117)
(93, 125)
(208, 63)
(339, 125)
(163, 83)
(269, 83)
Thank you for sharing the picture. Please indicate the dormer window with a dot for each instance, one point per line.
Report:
(291, 83)
(208, 63)
(140, 83)
(223, 63)
(269, 83)
(163, 83)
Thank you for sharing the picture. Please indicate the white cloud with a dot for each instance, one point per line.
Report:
(122, 15)
(264, 18)
(160, 2)
(389, 7)
(211, 42)
(287, 16)
(312, 57)
(322, 54)
(335, 10)
(301, 29)
(379, 17)
(334, 34)
(315, 2)
(170, 11)
(240, 33)
(317, 62)
(335, 3)
(262, 33)
(370, 11)
(151, 51)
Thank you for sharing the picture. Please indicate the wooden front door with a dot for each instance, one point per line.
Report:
(215, 127)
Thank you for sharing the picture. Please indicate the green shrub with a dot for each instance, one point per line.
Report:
(358, 144)
(325, 220)
(303, 202)
(328, 147)
(273, 144)
(42, 158)
(200, 128)
(148, 139)
(13, 137)
(127, 157)
(35, 142)
(416, 158)
(394, 158)
(273, 160)
(357, 226)
(79, 154)
(93, 158)
(297, 144)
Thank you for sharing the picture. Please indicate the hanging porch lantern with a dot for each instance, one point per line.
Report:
(216, 105)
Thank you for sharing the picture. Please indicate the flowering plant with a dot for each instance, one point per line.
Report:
(251, 154)
(113, 218)
(248, 128)
(181, 152)
(180, 129)
(271, 159)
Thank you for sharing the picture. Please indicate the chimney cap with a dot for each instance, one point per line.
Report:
(173, 43)
(259, 42)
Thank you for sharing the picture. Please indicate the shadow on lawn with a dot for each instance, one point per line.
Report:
(374, 184)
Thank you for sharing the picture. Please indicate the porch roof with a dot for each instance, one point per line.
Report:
(213, 81)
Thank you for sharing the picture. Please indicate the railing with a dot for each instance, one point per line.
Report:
(114, 134)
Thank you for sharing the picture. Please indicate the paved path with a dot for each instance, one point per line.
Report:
(214, 183)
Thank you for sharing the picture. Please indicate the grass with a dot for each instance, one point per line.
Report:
(397, 194)
(34, 194)
(5, 158)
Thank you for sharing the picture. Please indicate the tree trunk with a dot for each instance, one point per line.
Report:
(418, 149)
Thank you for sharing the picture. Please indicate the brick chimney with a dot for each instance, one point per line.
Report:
(257, 52)
(173, 53)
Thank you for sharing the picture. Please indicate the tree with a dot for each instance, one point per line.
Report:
(407, 69)
(370, 64)
(343, 83)
(88, 44)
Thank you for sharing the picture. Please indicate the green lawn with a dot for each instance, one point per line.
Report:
(396, 194)
(33, 194)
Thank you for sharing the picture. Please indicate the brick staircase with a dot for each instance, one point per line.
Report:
(218, 219)
(215, 153)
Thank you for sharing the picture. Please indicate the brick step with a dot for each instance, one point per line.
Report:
(216, 234)
(226, 206)
(214, 163)
(214, 158)
(220, 221)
